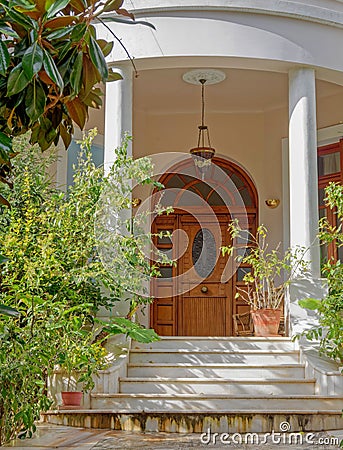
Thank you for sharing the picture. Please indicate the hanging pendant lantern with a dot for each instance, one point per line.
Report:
(203, 153)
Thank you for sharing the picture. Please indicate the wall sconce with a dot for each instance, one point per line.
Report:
(136, 202)
(272, 202)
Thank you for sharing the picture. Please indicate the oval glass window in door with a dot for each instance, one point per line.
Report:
(204, 253)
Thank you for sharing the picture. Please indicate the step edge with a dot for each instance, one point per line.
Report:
(216, 380)
(225, 338)
(213, 351)
(204, 412)
(215, 396)
(218, 366)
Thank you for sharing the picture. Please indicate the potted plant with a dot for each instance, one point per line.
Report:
(79, 358)
(268, 274)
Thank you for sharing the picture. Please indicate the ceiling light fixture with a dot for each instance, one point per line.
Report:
(204, 152)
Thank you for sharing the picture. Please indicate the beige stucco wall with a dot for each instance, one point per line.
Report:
(252, 140)
(329, 111)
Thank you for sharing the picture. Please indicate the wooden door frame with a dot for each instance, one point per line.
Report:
(218, 210)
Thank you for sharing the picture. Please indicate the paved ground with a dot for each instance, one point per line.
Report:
(68, 438)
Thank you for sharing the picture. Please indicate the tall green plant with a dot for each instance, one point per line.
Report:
(271, 270)
(54, 278)
(329, 333)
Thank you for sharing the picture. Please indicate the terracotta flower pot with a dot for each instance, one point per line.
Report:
(71, 398)
(266, 322)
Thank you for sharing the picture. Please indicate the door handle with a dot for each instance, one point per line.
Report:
(204, 289)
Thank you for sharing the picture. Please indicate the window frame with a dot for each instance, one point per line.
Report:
(323, 181)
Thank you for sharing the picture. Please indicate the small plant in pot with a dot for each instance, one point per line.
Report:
(79, 359)
(268, 273)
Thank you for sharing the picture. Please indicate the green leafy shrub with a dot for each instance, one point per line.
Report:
(53, 277)
(330, 309)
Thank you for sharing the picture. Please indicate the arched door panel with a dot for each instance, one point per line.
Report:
(197, 296)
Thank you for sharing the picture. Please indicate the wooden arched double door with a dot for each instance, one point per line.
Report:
(196, 296)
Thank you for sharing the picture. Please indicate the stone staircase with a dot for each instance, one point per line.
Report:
(226, 384)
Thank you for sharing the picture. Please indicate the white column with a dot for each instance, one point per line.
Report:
(118, 114)
(118, 121)
(303, 165)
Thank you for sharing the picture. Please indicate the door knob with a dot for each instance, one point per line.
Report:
(204, 289)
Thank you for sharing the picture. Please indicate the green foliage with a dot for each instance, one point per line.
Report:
(310, 303)
(330, 309)
(125, 246)
(271, 271)
(50, 48)
(22, 379)
(8, 311)
(52, 276)
(79, 355)
(48, 238)
(51, 63)
(121, 325)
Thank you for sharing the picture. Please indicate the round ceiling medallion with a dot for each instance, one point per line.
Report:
(212, 76)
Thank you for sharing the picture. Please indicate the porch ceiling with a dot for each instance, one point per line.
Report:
(164, 91)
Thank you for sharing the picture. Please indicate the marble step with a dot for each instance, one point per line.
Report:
(216, 386)
(183, 370)
(160, 356)
(187, 403)
(219, 343)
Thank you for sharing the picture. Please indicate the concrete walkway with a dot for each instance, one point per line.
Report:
(68, 438)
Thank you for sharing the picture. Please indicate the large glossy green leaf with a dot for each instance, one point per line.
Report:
(131, 329)
(105, 46)
(90, 74)
(78, 32)
(114, 76)
(77, 111)
(57, 6)
(76, 74)
(78, 5)
(32, 60)
(98, 58)
(65, 135)
(4, 58)
(57, 34)
(22, 5)
(17, 81)
(59, 23)
(128, 22)
(7, 311)
(93, 100)
(5, 148)
(3, 259)
(52, 71)
(20, 19)
(3, 201)
(125, 12)
(48, 4)
(35, 101)
(67, 48)
(7, 31)
(310, 303)
(112, 5)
